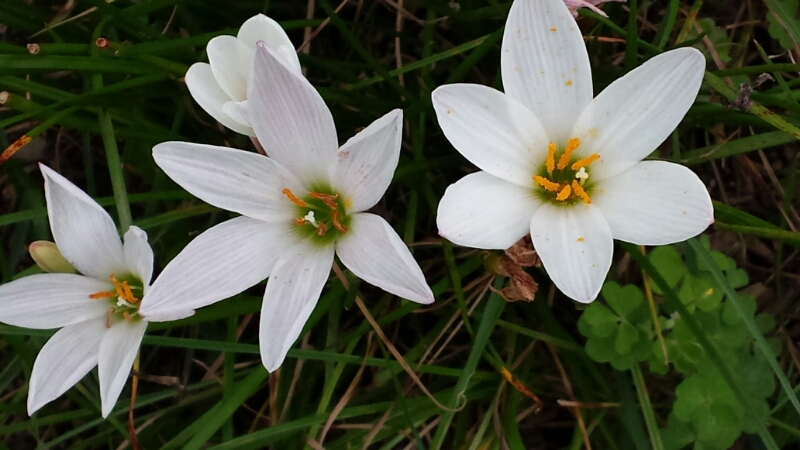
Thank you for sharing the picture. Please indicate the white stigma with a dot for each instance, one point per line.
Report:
(310, 218)
(582, 176)
(122, 302)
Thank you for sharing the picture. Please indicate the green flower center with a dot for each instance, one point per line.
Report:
(321, 214)
(564, 181)
(123, 301)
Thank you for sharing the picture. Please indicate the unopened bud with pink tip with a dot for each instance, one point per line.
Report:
(49, 258)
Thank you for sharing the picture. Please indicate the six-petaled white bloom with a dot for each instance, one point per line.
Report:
(563, 166)
(220, 87)
(299, 206)
(98, 308)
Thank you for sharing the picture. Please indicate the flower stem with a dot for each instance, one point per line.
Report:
(134, 440)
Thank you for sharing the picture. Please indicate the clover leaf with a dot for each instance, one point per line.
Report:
(620, 332)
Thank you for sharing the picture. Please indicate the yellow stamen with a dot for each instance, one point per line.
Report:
(585, 161)
(572, 144)
(293, 199)
(122, 290)
(551, 158)
(564, 194)
(547, 184)
(336, 223)
(580, 192)
(328, 199)
(98, 295)
(109, 313)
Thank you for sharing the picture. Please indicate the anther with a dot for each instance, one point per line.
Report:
(328, 199)
(564, 194)
(123, 290)
(293, 199)
(580, 192)
(321, 230)
(572, 144)
(300, 221)
(108, 317)
(585, 161)
(99, 295)
(128, 293)
(547, 184)
(336, 223)
(127, 316)
(551, 158)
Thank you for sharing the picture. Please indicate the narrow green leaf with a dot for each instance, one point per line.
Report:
(491, 313)
(647, 408)
(212, 420)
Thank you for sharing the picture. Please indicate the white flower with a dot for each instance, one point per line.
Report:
(563, 166)
(220, 87)
(299, 207)
(97, 309)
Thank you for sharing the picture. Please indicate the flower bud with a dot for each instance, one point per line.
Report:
(49, 258)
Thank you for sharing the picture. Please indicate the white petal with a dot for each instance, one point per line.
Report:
(69, 355)
(492, 130)
(292, 293)
(219, 263)
(51, 300)
(483, 211)
(236, 180)
(230, 63)
(83, 231)
(290, 118)
(236, 111)
(364, 166)
(633, 115)
(545, 65)
(373, 251)
(576, 247)
(263, 28)
(138, 255)
(206, 92)
(117, 352)
(655, 203)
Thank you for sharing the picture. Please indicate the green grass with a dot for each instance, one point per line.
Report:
(94, 115)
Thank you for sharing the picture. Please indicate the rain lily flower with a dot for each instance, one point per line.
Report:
(298, 207)
(563, 166)
(97, 309)
(220, 87)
